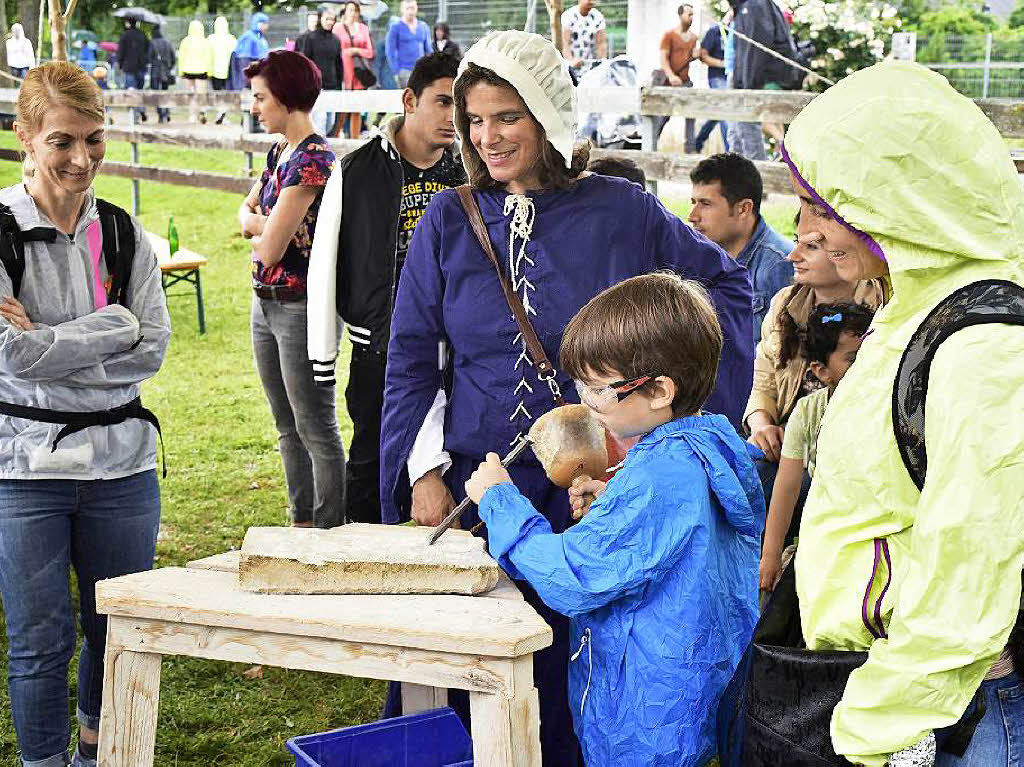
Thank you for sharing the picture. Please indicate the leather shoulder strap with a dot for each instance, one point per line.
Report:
(538, 357)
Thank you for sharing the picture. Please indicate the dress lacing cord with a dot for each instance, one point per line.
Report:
(521, 209)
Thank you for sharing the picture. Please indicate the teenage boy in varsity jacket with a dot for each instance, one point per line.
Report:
(371, 206)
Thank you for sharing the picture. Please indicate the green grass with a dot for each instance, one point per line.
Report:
(224, 476)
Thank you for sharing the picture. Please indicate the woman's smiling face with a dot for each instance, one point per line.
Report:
(852, 257)
(66, 149)
(505, 135)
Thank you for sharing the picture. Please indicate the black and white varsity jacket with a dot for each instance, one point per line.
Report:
(353, 267)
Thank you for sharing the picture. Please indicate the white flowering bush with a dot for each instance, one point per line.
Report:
(847, 35)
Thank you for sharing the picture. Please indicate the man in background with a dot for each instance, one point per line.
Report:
(712, 53)
(133, 59)
(726, 196)
(755, 69)
(583, 36)
(408, 39)
(679, 47)
(371, 207)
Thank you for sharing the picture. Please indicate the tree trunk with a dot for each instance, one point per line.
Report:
(58, 31)
(555, 12)
(3, 48)
(28, 17)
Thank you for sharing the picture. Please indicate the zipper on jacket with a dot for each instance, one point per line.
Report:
(393, 293)
(872, 616)
(585, 642)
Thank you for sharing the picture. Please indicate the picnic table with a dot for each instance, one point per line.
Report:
(183, 266)
(483, 644)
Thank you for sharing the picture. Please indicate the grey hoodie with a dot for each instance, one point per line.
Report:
(77, 358)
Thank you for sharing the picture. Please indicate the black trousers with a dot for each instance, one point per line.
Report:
(364, 398)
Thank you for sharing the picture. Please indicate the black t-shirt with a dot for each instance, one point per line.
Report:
(419, 186)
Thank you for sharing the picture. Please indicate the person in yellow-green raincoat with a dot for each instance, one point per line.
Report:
(901, 178)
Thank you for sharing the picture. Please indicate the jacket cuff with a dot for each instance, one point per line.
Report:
(757, 402)
(323, 373)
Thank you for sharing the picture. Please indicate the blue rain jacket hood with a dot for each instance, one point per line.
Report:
(660, 583)
(253, 44)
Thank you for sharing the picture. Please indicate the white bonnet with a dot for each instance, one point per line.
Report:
(539, 73)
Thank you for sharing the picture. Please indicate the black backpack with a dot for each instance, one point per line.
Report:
(777, 708)
(118, 247)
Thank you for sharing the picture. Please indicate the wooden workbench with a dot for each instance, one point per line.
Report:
(483, 644)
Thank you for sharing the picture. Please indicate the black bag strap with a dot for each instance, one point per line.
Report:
(980, 303)
(118, 248)
(12, 245)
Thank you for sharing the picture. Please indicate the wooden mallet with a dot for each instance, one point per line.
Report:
(568, 442)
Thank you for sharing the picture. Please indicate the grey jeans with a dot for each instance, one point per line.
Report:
(747, 139)
(307, 428)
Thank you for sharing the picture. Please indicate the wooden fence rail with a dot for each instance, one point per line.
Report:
(733, 105)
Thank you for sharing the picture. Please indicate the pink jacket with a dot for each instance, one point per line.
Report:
(361, 42)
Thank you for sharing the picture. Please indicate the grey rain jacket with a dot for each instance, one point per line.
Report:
(78, 358)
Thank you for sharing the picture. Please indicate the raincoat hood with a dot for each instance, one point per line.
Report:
(257, 19)
(925, 178)
(194, 53)
(932, 158)
(17, 31)
(732, 477)
(223, 44)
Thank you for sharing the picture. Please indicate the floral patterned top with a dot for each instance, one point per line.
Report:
(309, 165)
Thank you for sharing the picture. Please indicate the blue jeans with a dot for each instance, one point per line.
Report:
(716, 83)
(102, 528)
(135, 80)
(307, 427)
(999, 737)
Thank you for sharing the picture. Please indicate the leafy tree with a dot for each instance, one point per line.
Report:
(1016, 20)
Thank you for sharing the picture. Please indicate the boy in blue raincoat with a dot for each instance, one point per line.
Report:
(660, 577)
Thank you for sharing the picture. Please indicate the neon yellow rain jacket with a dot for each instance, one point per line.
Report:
(194, 53)
(901, 156)
(222, 43)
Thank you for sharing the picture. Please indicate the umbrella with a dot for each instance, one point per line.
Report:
(109, 47)
(142, 14)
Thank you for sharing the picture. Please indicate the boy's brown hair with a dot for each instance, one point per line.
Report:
(656, 325)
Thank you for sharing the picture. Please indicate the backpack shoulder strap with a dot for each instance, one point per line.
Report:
(980, 303)
(12, 248)
(118, 248)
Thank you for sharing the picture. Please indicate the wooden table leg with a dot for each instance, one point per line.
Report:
(131, 697)
(420, 697)
(506, 730)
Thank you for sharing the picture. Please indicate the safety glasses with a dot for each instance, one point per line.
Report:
(609, 395)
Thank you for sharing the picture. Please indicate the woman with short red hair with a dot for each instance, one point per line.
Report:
(279, 217)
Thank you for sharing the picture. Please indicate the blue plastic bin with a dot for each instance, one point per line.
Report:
(429, 739)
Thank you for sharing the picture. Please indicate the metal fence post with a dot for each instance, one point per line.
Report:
(988, 61)
(134, 157)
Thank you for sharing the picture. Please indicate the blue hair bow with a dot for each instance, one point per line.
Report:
(837, 317)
